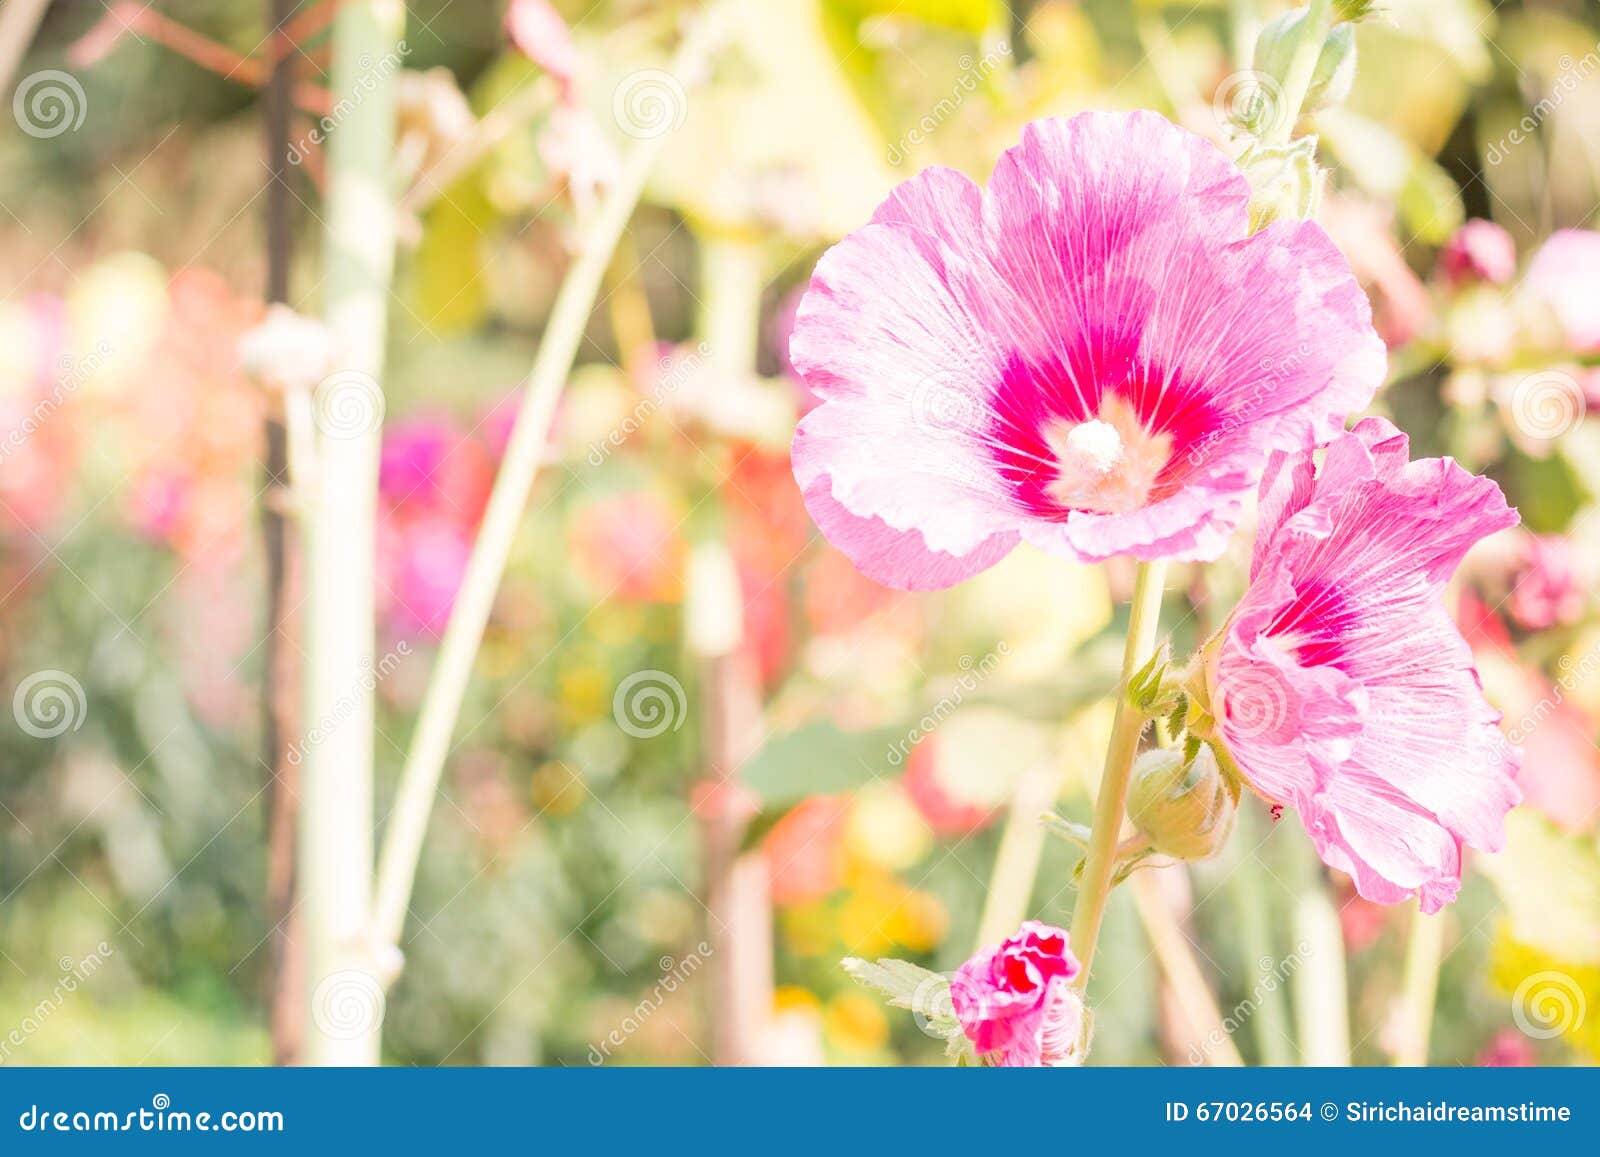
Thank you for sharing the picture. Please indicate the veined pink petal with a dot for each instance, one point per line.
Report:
(1343, 686)
(1092, 354)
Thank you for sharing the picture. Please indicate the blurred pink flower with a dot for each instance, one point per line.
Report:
(805, 850)
(422, 557)
(627, 546)
(1560, 765)
(944, 813)
(1093, 354)
(537, 31)
(1565, 275)
(1478, 251)
(1341, 685)
(1546, 590)
(1015, 1000)
(428, 463)
(1508, 1050)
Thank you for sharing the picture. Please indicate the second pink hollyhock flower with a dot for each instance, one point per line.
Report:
(1093, 354)
(1015, 1001)
(1342, 686)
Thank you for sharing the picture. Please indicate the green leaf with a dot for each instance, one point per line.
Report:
(905, 985)
(1064, 829)
(820, 759)
(1144, 687)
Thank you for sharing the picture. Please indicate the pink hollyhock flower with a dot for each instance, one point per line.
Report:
(1546, 590)
(1015, 1000)
(1341, 685)
(1091, 354)
(1562, 275)
(1478, 251)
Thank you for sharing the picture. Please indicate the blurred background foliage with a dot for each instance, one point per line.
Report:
(561, 880)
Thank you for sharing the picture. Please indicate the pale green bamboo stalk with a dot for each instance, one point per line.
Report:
(1182, 971)
(1420, 988)
(1321, 990)
(1016, 862)
(1270, 1023)
(1111, 801)
(344, 978)
(441, 704)
(735, 891)
(19, 21)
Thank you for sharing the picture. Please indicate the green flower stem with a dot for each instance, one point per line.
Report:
(336, 811)
(1424, 953)
(1302, 68)
(1111, 801)
(441, 704)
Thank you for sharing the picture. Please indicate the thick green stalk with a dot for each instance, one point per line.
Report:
(1420, 989)
(441, 704)
(1111, 801)
(1321, 989)
(1270, 1023)
(343, 977)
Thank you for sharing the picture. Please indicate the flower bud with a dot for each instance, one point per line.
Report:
(1184, 806)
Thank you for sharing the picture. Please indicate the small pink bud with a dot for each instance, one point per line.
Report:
(1478, 251)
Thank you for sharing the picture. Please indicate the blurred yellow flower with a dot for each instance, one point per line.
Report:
(886, 828)
(853, 1022)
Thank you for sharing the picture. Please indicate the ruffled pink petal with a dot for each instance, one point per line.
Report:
(894, 558)
(1387, 746)
(956, 338)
